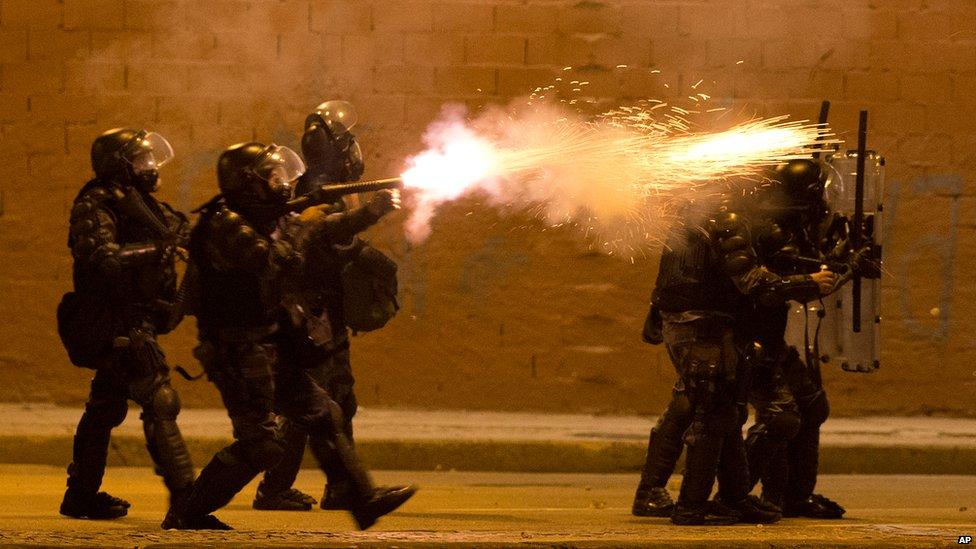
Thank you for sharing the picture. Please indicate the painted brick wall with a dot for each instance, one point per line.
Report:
(497, 314)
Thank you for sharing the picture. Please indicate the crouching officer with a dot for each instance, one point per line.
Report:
(315, 334)
(123, 242)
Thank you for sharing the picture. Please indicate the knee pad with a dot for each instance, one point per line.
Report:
(165, 403)
(783, 425)
(817, 411)
(676, 417)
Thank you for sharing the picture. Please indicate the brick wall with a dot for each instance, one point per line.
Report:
(496, 315)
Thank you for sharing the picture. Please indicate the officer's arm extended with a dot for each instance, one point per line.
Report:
(740, 263)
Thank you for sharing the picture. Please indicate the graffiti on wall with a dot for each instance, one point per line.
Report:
(940, 244)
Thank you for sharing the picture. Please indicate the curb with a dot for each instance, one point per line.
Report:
(508, 456)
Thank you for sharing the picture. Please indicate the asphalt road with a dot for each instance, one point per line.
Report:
(493, 509)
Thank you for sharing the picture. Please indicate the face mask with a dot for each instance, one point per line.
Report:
(145, 155)
(146, 181)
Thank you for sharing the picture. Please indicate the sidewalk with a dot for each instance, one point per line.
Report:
(502, 441)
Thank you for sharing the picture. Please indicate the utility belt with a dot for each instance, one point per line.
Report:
(234, 351)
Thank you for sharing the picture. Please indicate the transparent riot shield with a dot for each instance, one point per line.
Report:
(833, 330)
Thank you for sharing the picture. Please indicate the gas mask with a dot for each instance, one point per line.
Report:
(277, 167)
(329, 147)
(144, 155)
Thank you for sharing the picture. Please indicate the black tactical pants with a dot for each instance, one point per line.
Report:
(783, 445)
(243, 371)
(715, 382)
(138, 372)
(315, 395)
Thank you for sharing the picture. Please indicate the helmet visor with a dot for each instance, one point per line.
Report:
(279, 166)
(340, 116)
(148, 151)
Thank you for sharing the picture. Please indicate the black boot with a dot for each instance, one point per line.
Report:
(652, 502)
(753, 510)
(815, 506)
(381, 503)
(338, 495)
(206, 522)
(710, 513)
(289, 500)
(218, 483)
(97, 506)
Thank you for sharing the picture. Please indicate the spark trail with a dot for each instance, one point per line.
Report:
(616, 174)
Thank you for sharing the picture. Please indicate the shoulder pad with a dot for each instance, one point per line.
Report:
(738, 263)
(95, 196)
(225, 219)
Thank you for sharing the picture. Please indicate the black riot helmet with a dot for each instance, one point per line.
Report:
(795, 192)
(329, 147)
(256, 179)
(131, 157)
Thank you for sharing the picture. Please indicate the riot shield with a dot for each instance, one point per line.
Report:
(844, 327)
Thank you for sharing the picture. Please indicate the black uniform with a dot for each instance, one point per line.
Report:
(315, 347)
(790, 403)
(240, 267)
(241, 262)
(705, 277)
(315, 336)
(124, 268)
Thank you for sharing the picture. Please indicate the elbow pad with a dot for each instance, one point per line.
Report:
(111, 260)
(733, 245)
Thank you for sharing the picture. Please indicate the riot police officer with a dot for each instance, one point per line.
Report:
(124, 243)
(790, 402)
(316, 338)
(241, 262)
(767, 208)
(707, 275)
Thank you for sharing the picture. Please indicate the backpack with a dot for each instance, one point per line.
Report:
(369, 290)
(87, 328)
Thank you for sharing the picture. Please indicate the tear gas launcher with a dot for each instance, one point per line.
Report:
(327, 194)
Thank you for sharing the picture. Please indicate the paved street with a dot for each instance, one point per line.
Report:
(494, 509)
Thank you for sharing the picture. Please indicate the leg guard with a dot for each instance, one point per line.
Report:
(733, 469)
(665, 443)
(106, 409)
(344, 400)
(804, 450)
(766, 443)
(282, 476)
(336, 455)
(702, 457)
(165, 442)
(226, 475)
